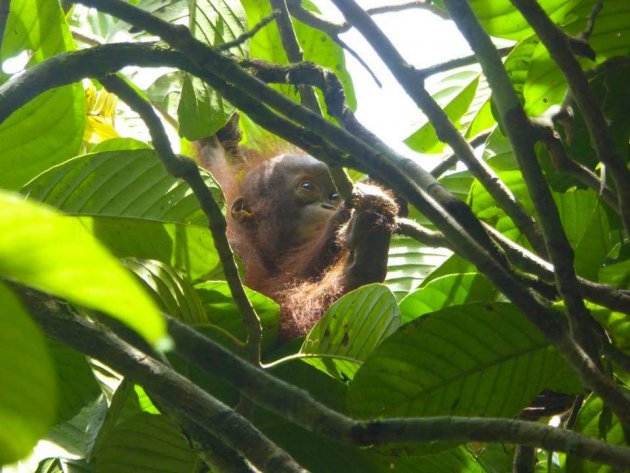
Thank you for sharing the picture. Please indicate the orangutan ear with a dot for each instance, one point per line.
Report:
(240, 211)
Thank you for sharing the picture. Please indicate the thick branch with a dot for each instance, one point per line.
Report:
(298, 406)
(182, 396)
(284, 399)
(187, 169)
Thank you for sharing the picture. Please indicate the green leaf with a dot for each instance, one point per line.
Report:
(221, 310)
(199, 109)
(49, 129)
(589, 422)
(409, 262)
(471, 360)
(144, 443)
(28, 398)
(134, 208)
(130, 184)
(617, 325)
(546, 85)
(518, 62)
(77, 384)
(446, 291)
(487, 210)
(456, 93)
(351, 329)
(43, 249)
(187, 248)
(174, 294)
(616, 270)
(501, 19)
(77, 435)
(586, 226)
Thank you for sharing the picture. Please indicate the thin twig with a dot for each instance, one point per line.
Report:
(84, 37)
(248, 34)
(358, 58)
(317, 21)
(590, 25)
(457, 62)
(187, 169)
(451, 160)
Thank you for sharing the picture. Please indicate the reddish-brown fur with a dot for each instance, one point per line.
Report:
(303, 254)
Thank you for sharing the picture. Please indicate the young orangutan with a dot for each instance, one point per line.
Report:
(300, 243)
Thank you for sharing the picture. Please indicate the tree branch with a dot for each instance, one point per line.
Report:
(248, 34)
(183, 397)
(457, 62)
(298, 405)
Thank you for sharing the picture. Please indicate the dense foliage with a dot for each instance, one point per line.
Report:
(100, 237)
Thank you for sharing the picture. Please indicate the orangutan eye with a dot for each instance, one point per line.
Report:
(333, 197)
(307, 186)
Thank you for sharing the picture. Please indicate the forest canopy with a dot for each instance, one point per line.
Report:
(499, 339)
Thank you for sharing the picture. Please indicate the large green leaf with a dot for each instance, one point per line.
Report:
(129, 184)
(43, 249)
(482, 359)
(28, 398)
(136, 209)
(501, 19)
(187, 248)
(49, 129)
(351, 329)
(446, 291)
